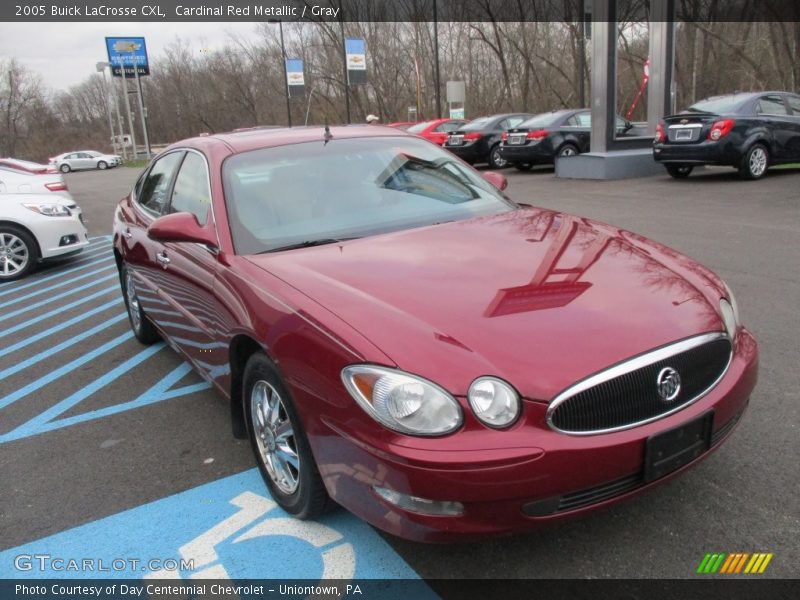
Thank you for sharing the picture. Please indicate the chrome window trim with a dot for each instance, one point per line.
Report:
(638, 362)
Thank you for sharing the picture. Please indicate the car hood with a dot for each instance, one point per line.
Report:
(538, 298)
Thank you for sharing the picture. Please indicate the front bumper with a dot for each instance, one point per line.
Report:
(51, 233)
(508, 487)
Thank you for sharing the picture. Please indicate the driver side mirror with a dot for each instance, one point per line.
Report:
(182, 227)
(498, 180)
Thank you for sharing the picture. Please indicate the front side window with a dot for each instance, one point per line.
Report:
(348, 188)
(153, 194)
(794, 104)
(190, 193)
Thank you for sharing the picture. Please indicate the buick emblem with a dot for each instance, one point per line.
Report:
(668, 384)
(684, 121)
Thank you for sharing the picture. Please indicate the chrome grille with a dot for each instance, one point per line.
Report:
(626, 395)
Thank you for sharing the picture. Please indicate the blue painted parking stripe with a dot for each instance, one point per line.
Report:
(13, 289)
(229, 528)
(36, 358)
(56, 328)
(35, 424)
(51, 299)
(157, 393)
(58, 311)
(55, 286)
(67, 368)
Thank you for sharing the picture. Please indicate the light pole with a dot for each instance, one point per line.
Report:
(285, 74)
(101, 68)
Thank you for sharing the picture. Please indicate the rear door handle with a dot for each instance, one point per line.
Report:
(162, 258)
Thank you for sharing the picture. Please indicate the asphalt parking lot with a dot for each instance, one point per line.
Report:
(104, 439)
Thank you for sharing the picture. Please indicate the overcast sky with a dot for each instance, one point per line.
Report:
(64, 54)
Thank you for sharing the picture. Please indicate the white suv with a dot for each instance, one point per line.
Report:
(34, 227)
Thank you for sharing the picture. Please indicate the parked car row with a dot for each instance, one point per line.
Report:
(748, 131)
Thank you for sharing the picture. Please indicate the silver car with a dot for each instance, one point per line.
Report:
(85, 159)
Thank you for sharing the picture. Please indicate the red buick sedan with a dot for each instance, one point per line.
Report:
(396, 335)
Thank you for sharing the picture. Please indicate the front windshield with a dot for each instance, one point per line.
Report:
(718, 105)
(315, 193)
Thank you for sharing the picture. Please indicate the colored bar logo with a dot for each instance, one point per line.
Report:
(734, 563)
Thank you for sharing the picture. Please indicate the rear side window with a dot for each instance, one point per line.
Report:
(771, 105)
(448, 127)
(794, 104)
(153, 194)
(191, 193)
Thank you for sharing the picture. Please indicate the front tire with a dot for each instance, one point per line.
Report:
(65, 168)
(141, 326)
(679, 171)
(496, 160)
(755, 162)
(19, 254)
(102, 165)
(279, 443)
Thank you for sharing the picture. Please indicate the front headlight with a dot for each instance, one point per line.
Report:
(401, 401)
(49, 210)
(730, 313)
(494, 401)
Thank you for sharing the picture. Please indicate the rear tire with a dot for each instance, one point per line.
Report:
(65, 168)
(525, 166)
(496, 160)
(279, 443)
(141, 326)
(679, 171)
(755, 162)
(568, 150)
(19, 253)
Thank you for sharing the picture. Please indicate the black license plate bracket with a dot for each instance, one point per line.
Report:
(669, 450)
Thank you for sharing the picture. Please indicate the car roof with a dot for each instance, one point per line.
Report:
(268, 137)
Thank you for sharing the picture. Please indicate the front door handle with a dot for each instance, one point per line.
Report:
(162, 258)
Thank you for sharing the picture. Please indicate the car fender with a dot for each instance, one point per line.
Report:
(19, 225)
(758, 135)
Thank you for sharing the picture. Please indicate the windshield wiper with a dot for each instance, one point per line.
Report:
(308, 244)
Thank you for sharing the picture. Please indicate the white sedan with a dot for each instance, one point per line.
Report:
(85, 159)
(35, 227)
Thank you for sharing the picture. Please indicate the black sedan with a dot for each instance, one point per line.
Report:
(479, 141)
(748, 131)
(543, 137)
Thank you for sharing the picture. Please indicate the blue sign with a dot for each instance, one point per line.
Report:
(295, 80)
(127, 53)
(355, 50)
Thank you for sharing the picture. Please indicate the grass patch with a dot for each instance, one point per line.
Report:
(789, 166)
(136, 164)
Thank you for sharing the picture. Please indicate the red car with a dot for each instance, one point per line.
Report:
(395, 335)
(436, 130)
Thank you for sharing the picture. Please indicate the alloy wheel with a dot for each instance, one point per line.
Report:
(14, 255)
(275, 437)
(758, 161)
